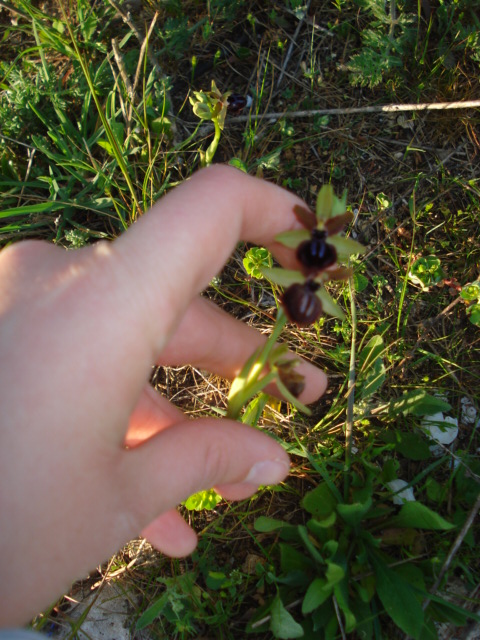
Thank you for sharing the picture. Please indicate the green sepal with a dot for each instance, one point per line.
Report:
(282, 277)
(346, 247)
(328, 204)
(324, 205)
(291, 398)
(329, 305)
(202, 111)
(292, 239)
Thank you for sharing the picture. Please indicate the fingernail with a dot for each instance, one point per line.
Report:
(267, 472)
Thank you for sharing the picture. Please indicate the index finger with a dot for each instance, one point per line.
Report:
(188, 236)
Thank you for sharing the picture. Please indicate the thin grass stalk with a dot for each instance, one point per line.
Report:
(410, 261)
(111, 138)
(350, 393)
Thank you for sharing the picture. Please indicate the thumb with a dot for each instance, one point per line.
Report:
(192, 456)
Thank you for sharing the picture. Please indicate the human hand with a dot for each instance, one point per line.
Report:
(90, 455)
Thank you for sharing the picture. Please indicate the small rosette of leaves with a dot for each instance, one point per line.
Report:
(318, 249)
(471, 295)
(426, 272)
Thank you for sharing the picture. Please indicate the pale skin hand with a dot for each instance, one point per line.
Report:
(79, 333)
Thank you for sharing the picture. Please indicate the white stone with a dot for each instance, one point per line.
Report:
(443, 430)
(403, 495)
(468, 413)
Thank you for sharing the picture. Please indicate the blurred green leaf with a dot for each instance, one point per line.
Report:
(282, 623)
(418, 516)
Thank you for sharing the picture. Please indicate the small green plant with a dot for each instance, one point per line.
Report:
(385, 43)
(471, 294)
(211, 105)
(256, 259)
(426, 272)
(338, 572)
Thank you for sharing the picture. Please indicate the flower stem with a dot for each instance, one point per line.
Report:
(253, 379)
(214, 144)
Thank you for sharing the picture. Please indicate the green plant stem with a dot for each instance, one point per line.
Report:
(214, 144)
(251, 382)
(350, 394)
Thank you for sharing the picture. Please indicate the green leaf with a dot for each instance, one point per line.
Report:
(474, 314)
(26, 210)
(417, 516)
(471, 292)
(267, 525)
(310, 545)
(353, 514)
(418, 403)
(341, 594)
(318, 591)
(320, 502)
(255, 259)
(254, 410)
(426, 272)
(203, 500)
(371, 368)
(448, 611)
(292, 560)
(360, 282)
(152, 612)
(334, 574)
(410, 445)
(317, 527)
(398, 598)
(282, 623)
(370, 353)
(239, 164)
(107, 146)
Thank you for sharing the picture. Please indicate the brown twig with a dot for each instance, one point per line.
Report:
(387, 108)
(292, 44)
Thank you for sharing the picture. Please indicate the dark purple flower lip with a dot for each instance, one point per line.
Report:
(316, 254)
(301, 304)
(236, 103)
